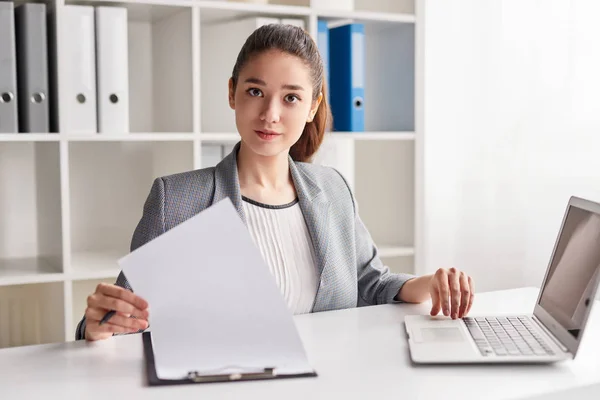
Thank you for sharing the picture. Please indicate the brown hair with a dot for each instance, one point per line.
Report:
(295, 41)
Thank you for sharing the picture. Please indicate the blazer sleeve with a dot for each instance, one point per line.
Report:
(151, 225)
(376, 284)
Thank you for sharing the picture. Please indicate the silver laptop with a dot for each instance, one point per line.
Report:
(554, 331)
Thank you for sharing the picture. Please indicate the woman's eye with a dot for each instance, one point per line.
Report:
(291, 98)
(254, 92)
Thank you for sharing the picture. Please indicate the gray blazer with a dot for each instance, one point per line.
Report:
(349, 269)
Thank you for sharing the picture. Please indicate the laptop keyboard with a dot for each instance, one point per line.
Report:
(506, 336)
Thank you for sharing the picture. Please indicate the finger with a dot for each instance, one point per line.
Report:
(124, 314)
(444, 290)
(99, 300)
(123, 294)
(465, 294)
(95, 315)
(472, 297)
(435, 301)
(109, 328)
(454, 283)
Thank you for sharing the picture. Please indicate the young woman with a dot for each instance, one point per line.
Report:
(302, 217)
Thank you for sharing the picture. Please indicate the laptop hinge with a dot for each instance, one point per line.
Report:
(549, 334)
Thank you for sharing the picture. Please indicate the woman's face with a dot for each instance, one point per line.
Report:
(272, 102)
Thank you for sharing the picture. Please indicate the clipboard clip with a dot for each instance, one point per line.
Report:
(237, 376)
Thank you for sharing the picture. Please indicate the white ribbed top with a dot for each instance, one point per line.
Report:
(283, 239)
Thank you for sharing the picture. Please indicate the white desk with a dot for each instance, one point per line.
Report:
(587, 392)
(358, 353)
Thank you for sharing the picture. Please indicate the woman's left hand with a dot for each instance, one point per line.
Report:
(452, 292)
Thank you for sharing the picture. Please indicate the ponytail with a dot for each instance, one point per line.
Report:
(314, 132)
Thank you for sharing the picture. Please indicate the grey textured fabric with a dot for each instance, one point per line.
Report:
(350, 270)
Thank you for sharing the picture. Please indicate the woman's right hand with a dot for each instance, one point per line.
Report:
(124, 302)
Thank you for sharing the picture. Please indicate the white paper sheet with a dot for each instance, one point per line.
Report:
(214, 306)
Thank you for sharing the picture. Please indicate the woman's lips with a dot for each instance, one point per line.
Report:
(267, 135)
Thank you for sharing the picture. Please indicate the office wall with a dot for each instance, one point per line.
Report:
(511, 130)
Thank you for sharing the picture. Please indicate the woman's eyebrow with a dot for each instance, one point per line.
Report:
(263, 83)
(292, 87)
(256, 81)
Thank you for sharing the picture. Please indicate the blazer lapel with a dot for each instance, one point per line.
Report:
(227, 183)
(315, 208)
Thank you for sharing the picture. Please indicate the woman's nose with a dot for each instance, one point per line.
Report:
(271, 112)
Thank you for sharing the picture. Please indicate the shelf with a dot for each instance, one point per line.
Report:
(30, 206)
(337, 152)
(369, 10)
(213, 153)
(400, 136)
(140, 10)
(132, 137)
(95, 265)
(385, 189)
(389, 102)
(103, 265)
(32, 314)
(109, 183)
(395, 251)
(406, 7)
(373, 135)
(405, 264)
(214, 11)
(220, 137)
(217, 11)
(223, 137)
(19, 271)
(365, 17)
(29, 137)
(161, 89)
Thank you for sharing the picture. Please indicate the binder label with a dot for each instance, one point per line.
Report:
(358, 60)
(86, 46)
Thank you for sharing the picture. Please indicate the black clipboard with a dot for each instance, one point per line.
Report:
(193, 377)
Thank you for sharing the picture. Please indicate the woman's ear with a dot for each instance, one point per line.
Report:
(231, 94)
(315, 107)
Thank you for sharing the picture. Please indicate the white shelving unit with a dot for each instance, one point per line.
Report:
(69, 203)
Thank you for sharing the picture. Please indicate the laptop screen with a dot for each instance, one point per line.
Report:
(569, 289)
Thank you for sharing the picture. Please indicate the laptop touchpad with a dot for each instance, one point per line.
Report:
(441, 334)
